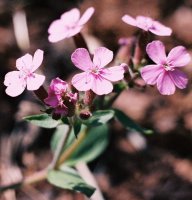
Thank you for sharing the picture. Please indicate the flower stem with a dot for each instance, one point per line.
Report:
(60, 146)
(66, 154)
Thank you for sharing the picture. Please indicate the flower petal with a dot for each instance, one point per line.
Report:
(81, 59)
(35, 81)
(159, 29)
(179, 78)
(156, 51)
(24, 62)
(102, 56)
(82, 81)
(129, 20)
(144, 22)
(165, 84)
(115, 73)
(52, 100)
(71, 16)
(15, 85)
(73, 31)
(57, 31)
(150, 73)
(101, 86)
(178, 57)
(37, 59)
(86, 16)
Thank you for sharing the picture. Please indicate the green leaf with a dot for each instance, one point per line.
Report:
(77, 127)
(129, 123)
(69, 179)
(43, 120)
(60, 130)
(99, 117)
(92, 146)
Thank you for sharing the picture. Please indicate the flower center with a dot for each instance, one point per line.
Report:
(168, 67)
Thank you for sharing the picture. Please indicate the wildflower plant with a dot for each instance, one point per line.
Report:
(82, 109)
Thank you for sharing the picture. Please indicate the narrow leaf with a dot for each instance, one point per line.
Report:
(129, 123)
(69, 179)
(43, 120)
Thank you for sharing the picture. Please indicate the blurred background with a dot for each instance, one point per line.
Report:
(133, 167)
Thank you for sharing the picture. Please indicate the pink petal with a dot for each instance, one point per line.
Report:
(73, 31)
(159, 29)
(82, 81)
(35, 81)
(24, 62)
(156, 51)
(150, 73)
(57, 31)
(70, 17)
(178, 57)
(179, 78)
(165, 84)
(143, 22)
(61, 110)
(115, 73)
(86, 16)
(102, 56)
(12, 78)
(37, 59)
(52, 100)
(129, 20)
(101, 86)
(15, 85)
(81, 59)
(56, 26)
(56, 37)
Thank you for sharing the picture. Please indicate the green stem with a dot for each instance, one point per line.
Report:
(68, 152)
(60, 146)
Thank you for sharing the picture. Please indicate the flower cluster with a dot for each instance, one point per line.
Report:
(60, 98)
(96, 77)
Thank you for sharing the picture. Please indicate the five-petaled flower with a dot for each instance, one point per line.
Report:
(95, 77)
(148, 24)
(69, 24)
(60, 98)
(17, 81)
(165, 72)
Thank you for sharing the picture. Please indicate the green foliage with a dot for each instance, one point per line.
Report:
(99, 117)
(129, 123)
(43, 120)
(69, 179)
(92, 146)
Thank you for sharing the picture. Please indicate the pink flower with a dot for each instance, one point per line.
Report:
(17, 81)
(69, 24)
(60, 98)
(165, 72)
(148, 24)
(95, 76)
